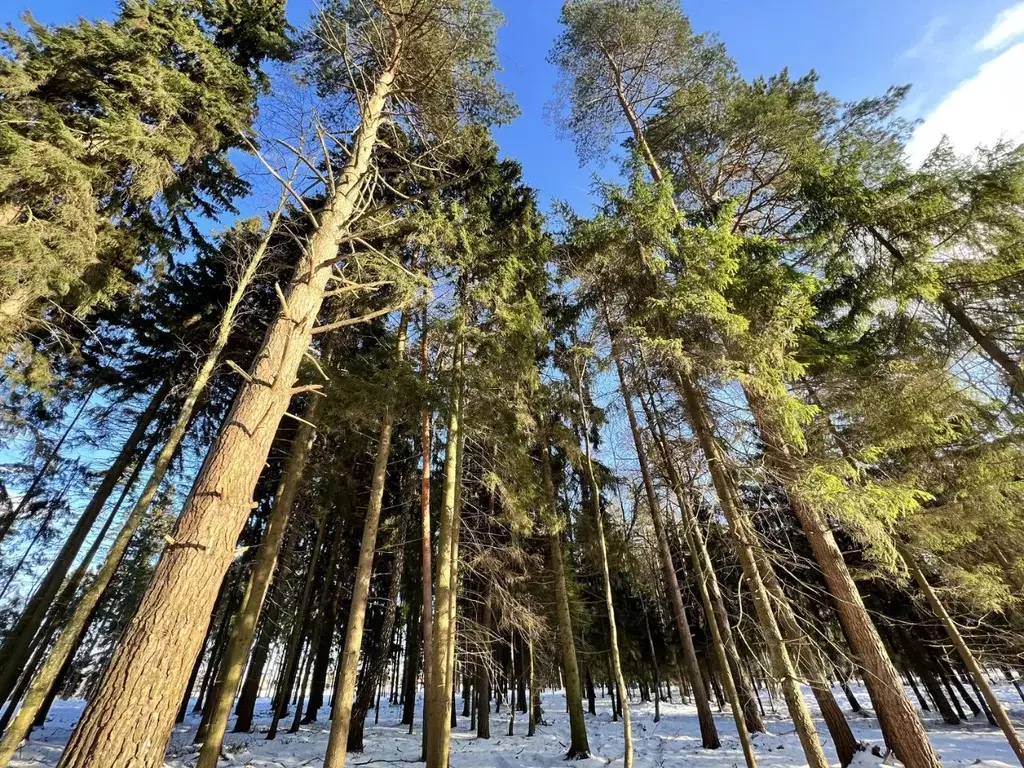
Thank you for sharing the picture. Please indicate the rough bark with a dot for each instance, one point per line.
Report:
(259, 584)
(125, 723)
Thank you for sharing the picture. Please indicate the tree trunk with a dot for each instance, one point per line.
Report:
(411, 672)
(294, 651)
(124, 725)
(426, 530)
(534, 693)
(709, 733)
(900, 724)
(437, 696)
(345, 684)
(483, 677)
(602, 548)
(17, 645)
(375, 667)
(743, 539)
(76, 755)
(579, 745)
(738, 691)
(966, 655)
(846, 743)
(259, 583)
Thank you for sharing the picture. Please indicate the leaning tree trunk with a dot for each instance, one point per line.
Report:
(846, 743)
(602, 549)
(73, 629)
(348, 665)
(900, 724)
(714, 604)
(708, 731)
(437, 698)
(966, 655)
(579, 746)
(259, 583)
(743, 537)
(18, 643)
(124, 724)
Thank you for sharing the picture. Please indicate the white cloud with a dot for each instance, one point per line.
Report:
(1008, 26)
(979, 111)
(926, 44)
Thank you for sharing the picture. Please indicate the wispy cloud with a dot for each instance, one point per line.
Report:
(980, 111)
(923, 47)
(1008, 26)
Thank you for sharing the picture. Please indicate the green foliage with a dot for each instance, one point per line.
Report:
(112, 134)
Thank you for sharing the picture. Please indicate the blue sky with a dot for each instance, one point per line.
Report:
(966, 69)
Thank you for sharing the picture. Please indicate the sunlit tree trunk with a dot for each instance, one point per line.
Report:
(124, 724)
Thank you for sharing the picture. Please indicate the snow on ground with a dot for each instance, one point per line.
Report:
(675, 741)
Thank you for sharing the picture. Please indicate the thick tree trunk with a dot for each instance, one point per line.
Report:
(743, 539)
(709, 733)
(75, 626)
(259, 583)
(18, 643)
(900, 724)
(124, 724)
(966, 655)
(579, 745)
(345, 685)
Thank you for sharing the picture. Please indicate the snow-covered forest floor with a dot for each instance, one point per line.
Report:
(675, 741)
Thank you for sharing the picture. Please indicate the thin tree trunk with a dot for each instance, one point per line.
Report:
(966, 655)
(602, 548)
(846, 743)
(534, 694)
(579, 745)
(377, 664)
(345, 685)
(426, 531)
(707, 582)
(160, 644)
(19, 640)
(709, 733)
(437, 696)
(483, 677)
(291, 660)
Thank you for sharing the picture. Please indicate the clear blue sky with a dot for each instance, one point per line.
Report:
(859, 47)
